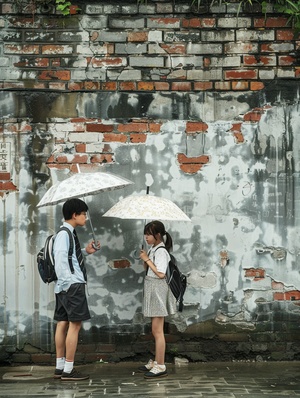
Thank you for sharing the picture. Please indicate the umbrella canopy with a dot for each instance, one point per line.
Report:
(147, 207)
(82, 184)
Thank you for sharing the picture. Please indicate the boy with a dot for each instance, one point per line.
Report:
(71, 304)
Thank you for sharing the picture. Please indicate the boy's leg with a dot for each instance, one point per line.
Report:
(72, 340)
(60, 338)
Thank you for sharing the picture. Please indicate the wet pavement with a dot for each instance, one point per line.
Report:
(222, 379)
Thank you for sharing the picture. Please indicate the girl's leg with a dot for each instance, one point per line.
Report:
(160, 342)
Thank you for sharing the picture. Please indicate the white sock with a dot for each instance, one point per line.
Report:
(68, 367)
(162, 367)
(60, 363)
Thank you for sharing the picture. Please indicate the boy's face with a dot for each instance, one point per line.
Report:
(80, 219)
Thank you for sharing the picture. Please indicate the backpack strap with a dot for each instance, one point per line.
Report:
(71, 247)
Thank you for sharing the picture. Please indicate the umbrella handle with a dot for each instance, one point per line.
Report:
(93, 232)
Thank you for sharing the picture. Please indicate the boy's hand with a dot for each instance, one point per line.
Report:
(92, 247)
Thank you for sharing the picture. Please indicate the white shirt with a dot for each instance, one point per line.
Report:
(160, 259)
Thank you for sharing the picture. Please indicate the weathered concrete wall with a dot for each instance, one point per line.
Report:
(208, 118)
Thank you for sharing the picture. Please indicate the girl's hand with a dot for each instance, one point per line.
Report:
(143, 255)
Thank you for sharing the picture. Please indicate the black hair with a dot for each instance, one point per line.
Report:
(157, 227)
(72, 206)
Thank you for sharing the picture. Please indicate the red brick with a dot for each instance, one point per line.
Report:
(271, 22)
(137, 36)
(203, 86)
(92, 85)
(99, 127)
(120, 264)
(181, 86)
(241, 74)
(138, 138)
(74, 86)
(4, 176)
(256, 86)
(191, 23)
(127, 86)
(191, 168)
(291, 295)
(256, 273)
(111, 137)
(285, 35)
(208, 22)
(253, 116)
(8, 186)
(162, 86)
(239, 138)
(145, 86)
(77, 158)
(107, 61)
(55, 75)
(154, 127)
(174, 48)
(286, 60)
(196, 127)
(133, 128)
(183, 159)
(102, 158)
(109, 86)
(35, 62)
(81, 148)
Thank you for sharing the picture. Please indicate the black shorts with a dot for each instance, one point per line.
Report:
(72, 305)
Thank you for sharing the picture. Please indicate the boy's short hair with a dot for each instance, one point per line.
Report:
(72, 206)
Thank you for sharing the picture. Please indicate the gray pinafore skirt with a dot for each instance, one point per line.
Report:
(158, 298)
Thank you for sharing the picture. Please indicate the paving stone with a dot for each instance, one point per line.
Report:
(210, 380)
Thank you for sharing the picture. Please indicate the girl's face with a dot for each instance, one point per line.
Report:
(152, 240)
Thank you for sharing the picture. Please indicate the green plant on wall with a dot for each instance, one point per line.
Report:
(65, 7)
(289, 8)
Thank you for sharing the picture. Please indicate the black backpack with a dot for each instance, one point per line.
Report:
(45, 258)
(176, 280)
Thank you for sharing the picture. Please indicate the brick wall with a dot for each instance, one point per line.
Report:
(151, 47)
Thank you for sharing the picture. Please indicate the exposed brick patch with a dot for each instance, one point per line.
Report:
(183, 159)
(138, 138)
(191, 168)
(7, 186)
(117, 264)
(291, 295)
(102, 158)
(5, 176)
(196, 127)
(255, 273)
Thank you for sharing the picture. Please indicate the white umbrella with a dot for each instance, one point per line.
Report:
(147, 207)
(80, 185)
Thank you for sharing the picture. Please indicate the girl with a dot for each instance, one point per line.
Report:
(159, 301)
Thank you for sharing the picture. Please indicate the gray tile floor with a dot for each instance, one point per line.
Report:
(222, 379)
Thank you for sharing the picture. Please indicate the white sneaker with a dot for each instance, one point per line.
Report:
(156, 371)
(148, 366)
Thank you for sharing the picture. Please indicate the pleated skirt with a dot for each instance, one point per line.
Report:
(158, 298)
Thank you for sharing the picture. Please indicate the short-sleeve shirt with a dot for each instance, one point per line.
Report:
(160, 259)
